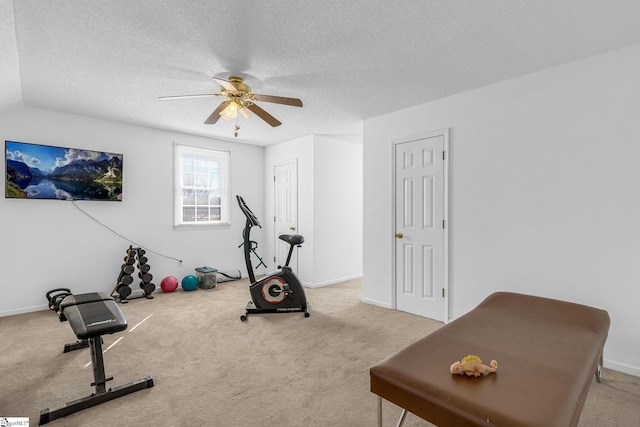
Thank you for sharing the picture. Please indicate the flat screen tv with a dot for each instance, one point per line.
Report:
(35, 171)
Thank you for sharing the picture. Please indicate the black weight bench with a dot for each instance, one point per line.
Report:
(91, 316)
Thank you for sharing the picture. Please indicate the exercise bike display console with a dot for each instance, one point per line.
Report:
(280, 292)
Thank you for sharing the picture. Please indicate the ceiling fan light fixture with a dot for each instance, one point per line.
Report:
(230, 111)
(246, 113)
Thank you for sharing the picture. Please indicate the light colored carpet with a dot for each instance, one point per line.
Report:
(211, 369)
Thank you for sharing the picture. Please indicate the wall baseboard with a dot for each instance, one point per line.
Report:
(377, 303)
(622, 367)
(24, 310)
(331, 282)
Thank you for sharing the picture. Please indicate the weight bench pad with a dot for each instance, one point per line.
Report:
(92, 315)
(70, 300)
(547, 353)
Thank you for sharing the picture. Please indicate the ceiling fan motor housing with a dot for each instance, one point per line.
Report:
(237, 82)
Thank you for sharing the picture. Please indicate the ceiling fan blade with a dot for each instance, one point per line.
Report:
(295, 102)
(264, 115)
(226, 84)
(202, 95)
(213, 118)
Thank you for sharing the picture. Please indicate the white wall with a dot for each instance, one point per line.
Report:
(50, 243)
(329, 207)
(544, 192)
(337, 210)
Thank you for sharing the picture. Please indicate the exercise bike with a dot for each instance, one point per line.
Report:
(280, 292)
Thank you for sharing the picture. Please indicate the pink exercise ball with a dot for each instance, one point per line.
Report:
(169, 284)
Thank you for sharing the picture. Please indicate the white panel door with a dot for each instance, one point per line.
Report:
(420, 226)
(285, 181)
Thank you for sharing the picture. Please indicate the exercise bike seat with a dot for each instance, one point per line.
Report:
(292, 239)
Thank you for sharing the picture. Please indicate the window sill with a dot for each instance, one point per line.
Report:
(208, 226)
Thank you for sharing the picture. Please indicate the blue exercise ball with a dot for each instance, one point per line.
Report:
(189, 283)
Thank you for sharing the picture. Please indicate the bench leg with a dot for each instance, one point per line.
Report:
(63, 410)
(101, 394)
(379, 411)
(402, 417)
(97, 362)
(75, 346)
(600, 368)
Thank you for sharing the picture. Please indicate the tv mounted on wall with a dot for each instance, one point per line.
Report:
(35, 171)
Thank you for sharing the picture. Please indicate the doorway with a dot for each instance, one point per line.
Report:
(420, 221)
(285, 206)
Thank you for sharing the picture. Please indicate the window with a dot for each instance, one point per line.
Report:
(201, 179)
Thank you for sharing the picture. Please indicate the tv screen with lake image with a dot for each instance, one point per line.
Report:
(35, 171)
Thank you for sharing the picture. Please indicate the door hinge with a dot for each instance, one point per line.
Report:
(442, 292)
(444, 224)
(274, 178)
(443, 155)
(274, 259)
(274, 219)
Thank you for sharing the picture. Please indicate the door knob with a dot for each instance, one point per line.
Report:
(399, 235)
(292, 228)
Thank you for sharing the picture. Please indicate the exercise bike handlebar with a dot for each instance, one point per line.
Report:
(251, 218)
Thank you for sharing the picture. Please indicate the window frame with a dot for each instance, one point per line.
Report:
(223, 157)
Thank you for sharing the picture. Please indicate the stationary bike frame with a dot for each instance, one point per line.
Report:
(280, 292)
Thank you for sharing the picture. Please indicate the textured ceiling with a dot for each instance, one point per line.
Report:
(347, 61)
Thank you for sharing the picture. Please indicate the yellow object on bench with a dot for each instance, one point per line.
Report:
(548, 350)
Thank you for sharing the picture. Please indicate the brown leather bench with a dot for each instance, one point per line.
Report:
(547, 353)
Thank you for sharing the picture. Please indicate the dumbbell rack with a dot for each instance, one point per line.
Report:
(125, 277)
